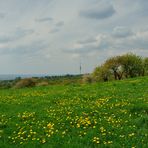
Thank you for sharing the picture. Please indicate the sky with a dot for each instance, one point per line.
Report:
(54, 36)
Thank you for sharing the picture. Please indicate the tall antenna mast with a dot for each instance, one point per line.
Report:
(80, 66)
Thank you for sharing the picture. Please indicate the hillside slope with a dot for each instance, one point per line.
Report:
(112, 114)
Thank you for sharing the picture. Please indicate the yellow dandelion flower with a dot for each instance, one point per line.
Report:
(43, 140)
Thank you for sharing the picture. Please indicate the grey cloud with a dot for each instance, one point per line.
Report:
(54, 30)
(100, 12)
(87, 40)
(143, 4)
(125, 41)
(19, 33)
(132, 43)
(59, 24)
(137, 43)
(57, 27)
(4, 39)
(27, 49)
(122, 32)
(78, 50)
(90, 44)
(23, 32)
(87, 48)
(45, 19)
(2, 15)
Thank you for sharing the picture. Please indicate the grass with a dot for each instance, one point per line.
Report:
(112, 114)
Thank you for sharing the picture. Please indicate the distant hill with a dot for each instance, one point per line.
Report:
(14, 76)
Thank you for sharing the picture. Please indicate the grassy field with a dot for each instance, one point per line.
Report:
(112, 114)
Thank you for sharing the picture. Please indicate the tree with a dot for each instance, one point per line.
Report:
(132, 65)
(127, 65)
(101, 73)
(145, 66)
(114, 65)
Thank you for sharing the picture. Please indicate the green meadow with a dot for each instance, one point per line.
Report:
(105, 115)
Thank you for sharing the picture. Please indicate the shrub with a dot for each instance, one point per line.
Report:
(27, 82)
(101, 73)
(87, 78)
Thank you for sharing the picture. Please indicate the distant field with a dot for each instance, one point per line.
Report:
(112, 114)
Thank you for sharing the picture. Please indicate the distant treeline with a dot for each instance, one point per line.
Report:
(62, 77)
(41, 81)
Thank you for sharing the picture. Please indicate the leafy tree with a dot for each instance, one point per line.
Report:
(101, 73)
(127, 65)
(145, 66)
(132, 65)
(114, 65)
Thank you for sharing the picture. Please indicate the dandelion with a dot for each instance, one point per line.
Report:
(63, 133)
(43, 141)
(96, 140)
(132, 134)
(110, 142)
(50, 125)
(78, 125)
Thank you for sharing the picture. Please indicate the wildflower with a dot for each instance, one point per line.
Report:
(49, 125)
(132, 134)
(78, 125)
(43, 140)
(110, 142)
(63, 132)
(96, 140)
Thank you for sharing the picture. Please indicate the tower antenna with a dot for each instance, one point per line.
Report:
(80, 66)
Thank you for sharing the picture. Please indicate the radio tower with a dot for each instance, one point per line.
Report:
(80, 67)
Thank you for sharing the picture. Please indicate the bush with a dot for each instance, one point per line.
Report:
(101, 73)
(27, 82)
(87, 78)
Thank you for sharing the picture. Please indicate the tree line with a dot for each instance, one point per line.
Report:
(119, 67)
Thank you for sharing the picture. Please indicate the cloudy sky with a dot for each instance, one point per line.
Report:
(53, 36)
